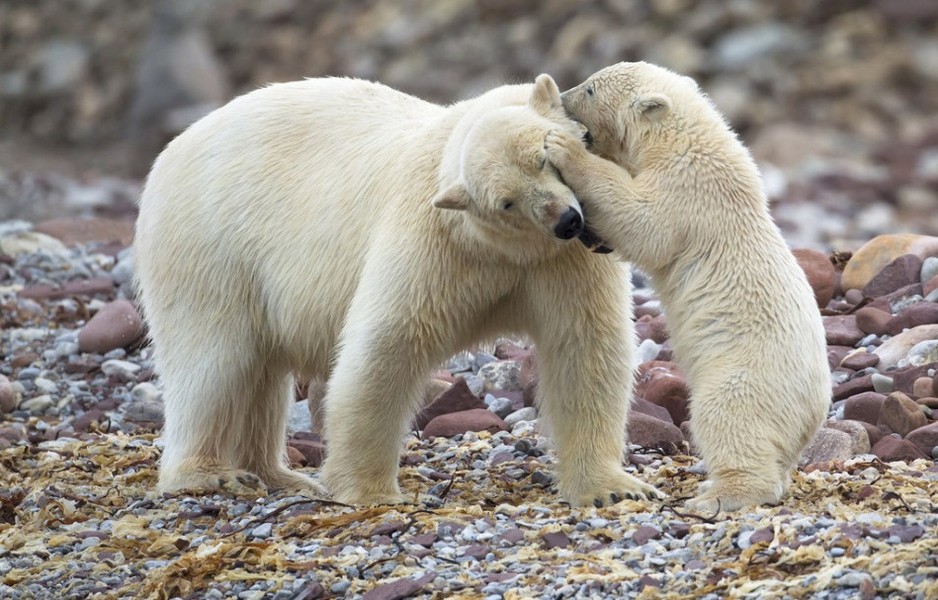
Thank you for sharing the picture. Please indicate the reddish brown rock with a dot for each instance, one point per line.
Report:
(295, 457)
(865, 407)
(81, 230)
(457, 398)
(77, 287)
(900, 272)
(921, 313)
(652, 410)
(820, 273)
(91, 420)
(900, 414)
(648, 431)
(860, 360)
(23, 358)
(399, 588)
(842, 330)
(873, 432)
(904, 379)
(670, 391)
(312, 451)
(922, 387)
(646, 311)
(929, 401)
(645, 533)
(836, 355)
(555, 539)
(924, 438)
(872, 320)
(653, 328)
(891, 448)
(853, 387)
(450, 424)
(117, 325)
(508, 350)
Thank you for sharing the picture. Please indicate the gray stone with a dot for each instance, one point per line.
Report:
(122, 369)
(929, 268)
(45, 386)
(263, 531)
(920, 354)
(60, 65)
(528, 413)
(502, 375)
(38, 405)
(828, 445)
(30, 242)
(460, 363)
(883, 384)
(146, 411)
(501, 407)
(145, 391)
(299, 418)
(741, 47)
(475, 383)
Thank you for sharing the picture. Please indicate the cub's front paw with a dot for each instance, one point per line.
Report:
(613, 490)
(562, 148)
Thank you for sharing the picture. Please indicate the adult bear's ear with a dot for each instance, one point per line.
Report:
(653, 106)
(454, 197)
(545, 97)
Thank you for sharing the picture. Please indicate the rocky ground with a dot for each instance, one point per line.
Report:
(81, 413)
(838, 102)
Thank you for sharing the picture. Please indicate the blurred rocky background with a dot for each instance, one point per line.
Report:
(838, 99)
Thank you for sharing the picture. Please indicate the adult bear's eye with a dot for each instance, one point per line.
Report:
(508, 205)
(589, 90)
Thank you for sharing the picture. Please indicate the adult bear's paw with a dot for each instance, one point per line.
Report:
(612, 490)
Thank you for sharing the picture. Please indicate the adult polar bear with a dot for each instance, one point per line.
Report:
(292, 230)
(681, 197)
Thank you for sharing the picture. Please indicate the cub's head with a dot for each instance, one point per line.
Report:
(505, 183)
(626, 103)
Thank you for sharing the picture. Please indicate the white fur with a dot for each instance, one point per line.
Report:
(681, 197)
(292, 232)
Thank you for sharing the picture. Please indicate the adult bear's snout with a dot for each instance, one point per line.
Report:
(570, 225)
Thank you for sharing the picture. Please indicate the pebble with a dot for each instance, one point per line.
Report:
(122, 369)
(37, 405)
(528, 413)
(500, 406)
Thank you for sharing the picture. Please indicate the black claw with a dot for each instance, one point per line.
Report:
(615, 498)
(597, 503)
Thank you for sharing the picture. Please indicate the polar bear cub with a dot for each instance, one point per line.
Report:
(336, 228)
(674, 190)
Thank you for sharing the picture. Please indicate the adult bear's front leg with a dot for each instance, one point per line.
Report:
(387, 349)
(584, 338)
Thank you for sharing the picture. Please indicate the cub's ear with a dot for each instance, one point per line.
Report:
(545, 97)
(653, 106)
(454, 197)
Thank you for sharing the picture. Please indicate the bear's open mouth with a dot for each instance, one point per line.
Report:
(593, 242)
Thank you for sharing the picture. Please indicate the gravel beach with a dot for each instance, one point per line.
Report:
(79, 448)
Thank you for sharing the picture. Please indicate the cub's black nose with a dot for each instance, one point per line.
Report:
(570, 225)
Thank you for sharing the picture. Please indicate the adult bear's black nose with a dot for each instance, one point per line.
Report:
(570, 225)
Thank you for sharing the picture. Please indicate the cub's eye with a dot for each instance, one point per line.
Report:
(589, 91)
(508, 205)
